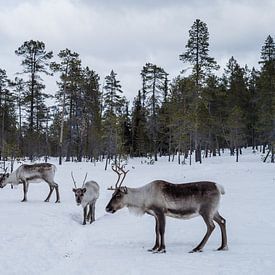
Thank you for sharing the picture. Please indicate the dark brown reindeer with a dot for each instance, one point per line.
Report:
(27, 173)
(160, 198)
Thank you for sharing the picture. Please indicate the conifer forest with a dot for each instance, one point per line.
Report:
(201, 112)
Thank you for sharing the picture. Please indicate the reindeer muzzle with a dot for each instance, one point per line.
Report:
(110, 210)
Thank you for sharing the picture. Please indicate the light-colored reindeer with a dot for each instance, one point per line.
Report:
(87, 196)
(161, 198)
(27, 173)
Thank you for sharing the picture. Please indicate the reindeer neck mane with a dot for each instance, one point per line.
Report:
(136, 202)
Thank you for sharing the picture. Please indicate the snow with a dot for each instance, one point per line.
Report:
(48, 238)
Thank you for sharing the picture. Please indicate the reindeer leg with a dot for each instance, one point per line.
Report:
(25, 189)
(92, 210)
(54, 186)
(57, 193)
(161, 219)
(89, 215)
(156, 246)
(221, 222)
(85, 214)
(210, 227)
(50, 193)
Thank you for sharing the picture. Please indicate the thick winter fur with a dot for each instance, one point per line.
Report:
(26, 173)
(184, 201)
(87, 197)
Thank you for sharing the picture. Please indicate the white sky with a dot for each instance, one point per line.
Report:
(124, 35)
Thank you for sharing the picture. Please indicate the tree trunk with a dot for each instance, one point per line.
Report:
(272, 153)
(60, 146)
(69, 149)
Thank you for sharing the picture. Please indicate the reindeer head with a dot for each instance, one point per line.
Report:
(3, 177)
(79, 192)
(118, 199)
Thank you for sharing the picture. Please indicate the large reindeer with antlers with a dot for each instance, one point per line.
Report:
(160, 198)
(87, 196)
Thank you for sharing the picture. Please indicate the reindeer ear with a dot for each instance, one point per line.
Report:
(84, 190)
(7, 175)
(74, 190)
(124, 189)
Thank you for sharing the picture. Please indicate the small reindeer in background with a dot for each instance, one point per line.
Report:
(27, 173)
(87, 196)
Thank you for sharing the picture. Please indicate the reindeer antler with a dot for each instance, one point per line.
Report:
(73, 179)
(119, 171)
(115, 168)
(124, 174)
(84, 180)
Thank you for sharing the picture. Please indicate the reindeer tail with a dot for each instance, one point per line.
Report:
(220, 188)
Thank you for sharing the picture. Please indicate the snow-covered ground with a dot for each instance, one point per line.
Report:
(48, 238)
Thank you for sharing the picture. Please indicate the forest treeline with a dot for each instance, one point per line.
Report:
(197, 112)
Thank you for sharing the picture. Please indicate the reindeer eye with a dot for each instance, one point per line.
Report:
(118, 195)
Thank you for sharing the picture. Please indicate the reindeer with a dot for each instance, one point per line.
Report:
(27, 173)
(160, 198)
(87, 196)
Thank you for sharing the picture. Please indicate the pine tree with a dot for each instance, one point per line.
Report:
(237, 100)
(112, 112)
(35, 60)
(91, 113)
(181, 122)
(252, 115)
(154, 90)
(197, 52)
(197, 55)
(268, 51)
(266, 100)
(140, 139)
(214, 98)
(18, 86)
(7, 117)
(69, 68)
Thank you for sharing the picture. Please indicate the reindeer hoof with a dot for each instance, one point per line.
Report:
(23, 200)
(154, 249)
(57, 201)
(46, 200)
(160, 251)
(195, 250)
(225, 248)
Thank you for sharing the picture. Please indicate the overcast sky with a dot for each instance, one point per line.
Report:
(124, 35)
